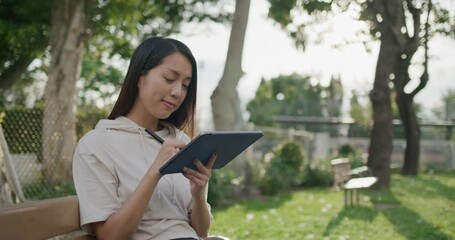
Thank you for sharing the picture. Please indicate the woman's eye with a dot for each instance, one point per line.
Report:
(168, 79)
(186, 86)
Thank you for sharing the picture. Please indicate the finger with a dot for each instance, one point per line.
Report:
(176, 143)
(195, 176)
(190, 171)
(211, 161)
(201, 168)
(194, 179)
(170, 151)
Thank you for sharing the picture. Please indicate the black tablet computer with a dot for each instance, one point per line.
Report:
(227, 145)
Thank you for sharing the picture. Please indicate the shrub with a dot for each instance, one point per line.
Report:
(317, 176)
(88, 117)
(220, 186)
(348, 151)
(282, 170)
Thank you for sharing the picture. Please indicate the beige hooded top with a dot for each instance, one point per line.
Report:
(110, 161)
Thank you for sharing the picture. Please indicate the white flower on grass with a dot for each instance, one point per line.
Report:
(272, 211)
(326, 208)
(249, 216)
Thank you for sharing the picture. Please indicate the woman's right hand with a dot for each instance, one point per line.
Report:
(169, 148)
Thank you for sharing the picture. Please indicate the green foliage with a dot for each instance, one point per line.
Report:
(294, 95)
(308, 13)
(348, 151)
(88, 117)
(25, 31)
(361, 115)
(318, 173)
(115, 28)
(100, 81)
(317, 176)
(279, 10)
(345, 150)
(117, 24)
(301, 19)
(283, 170)
(220, 186)
(446, 111)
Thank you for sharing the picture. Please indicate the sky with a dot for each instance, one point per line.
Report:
(269, 52)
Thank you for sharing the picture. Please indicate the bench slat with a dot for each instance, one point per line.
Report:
(363, 182)
(40, 219)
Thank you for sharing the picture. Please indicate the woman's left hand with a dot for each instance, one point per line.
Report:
(200, 178)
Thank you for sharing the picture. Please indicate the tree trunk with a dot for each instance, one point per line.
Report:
(407, 113)
(225, 100)
(380, 149)
(405, 100)
(412, 133)
(387, 14)
(226, 110)
(59, 133)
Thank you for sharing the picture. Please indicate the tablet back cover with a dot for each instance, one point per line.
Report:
(227, 145)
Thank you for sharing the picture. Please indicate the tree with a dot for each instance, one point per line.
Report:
(387, 20)
(24, 37)
(113, 27)
(295, 95)
(409, 45)
(99, 82)
(225, 100)
(361, 115)
(334, 97)
(446, 111)
(68, 36)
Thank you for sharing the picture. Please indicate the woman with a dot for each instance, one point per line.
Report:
(116, 166)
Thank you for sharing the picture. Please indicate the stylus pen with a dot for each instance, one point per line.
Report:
(155, 136)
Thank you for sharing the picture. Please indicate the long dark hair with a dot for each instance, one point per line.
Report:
(149, 54)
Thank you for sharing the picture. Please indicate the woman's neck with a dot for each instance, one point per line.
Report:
(145, 122)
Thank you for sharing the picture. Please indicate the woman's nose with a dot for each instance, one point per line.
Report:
(176, 90)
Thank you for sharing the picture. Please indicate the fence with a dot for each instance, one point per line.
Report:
(39, 175)
(438, 154)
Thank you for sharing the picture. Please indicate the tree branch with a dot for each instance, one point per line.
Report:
(12, 74)
(424, 78)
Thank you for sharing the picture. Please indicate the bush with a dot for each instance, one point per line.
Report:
(348, 151)
(220, 186)
(317, 176)
(88, 117)
(282, 169)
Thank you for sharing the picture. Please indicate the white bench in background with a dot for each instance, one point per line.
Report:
(350, 180)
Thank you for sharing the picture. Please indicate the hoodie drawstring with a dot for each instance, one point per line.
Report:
(145, 155)
(142, 146)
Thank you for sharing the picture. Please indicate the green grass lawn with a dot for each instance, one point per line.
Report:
(420, 207)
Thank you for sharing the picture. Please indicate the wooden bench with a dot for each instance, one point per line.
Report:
(42, 219)
(350, 180)
(56, 218)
